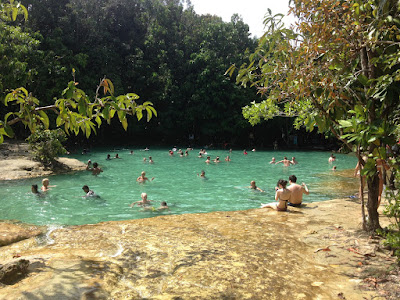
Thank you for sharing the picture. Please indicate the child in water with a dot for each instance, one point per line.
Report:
(45, 185)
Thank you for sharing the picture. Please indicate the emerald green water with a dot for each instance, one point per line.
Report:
(176, 182)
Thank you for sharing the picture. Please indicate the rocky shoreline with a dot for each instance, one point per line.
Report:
(15, 163)
(315, 252)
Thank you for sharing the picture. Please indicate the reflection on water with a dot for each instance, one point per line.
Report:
(176, 182)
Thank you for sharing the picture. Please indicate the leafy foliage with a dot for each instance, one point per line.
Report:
(170, 55)
(16, 47)
(392, 211)
(46, 145)
(337, 72)
(75, 111)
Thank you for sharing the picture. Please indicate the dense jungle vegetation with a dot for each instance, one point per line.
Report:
(161, 50)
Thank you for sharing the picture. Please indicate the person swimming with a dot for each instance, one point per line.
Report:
(253, 186)
(163, 206)
(202, 174)
(143, 202)
(89, 192)
(34, 189)
(45, 185)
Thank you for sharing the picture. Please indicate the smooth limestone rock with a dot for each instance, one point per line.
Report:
(12, 233)
(254, 254)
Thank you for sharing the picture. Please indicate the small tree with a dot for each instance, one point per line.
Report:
(46, 145)
(338, 71)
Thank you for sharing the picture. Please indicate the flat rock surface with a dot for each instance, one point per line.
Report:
(15, 163)
(11, 233)
(313, 252)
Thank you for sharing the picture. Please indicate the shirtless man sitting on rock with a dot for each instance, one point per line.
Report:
(297, 191)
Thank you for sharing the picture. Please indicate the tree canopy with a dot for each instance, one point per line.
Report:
(163, 50)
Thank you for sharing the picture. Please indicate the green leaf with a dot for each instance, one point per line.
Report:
(98, 121)
(124, 124)
(139, 114)
(82, 106)
(14, 13)
(345, 123)
(8, 131)
(149, 113)
(59, 121)
(363, 79)
(44, 118)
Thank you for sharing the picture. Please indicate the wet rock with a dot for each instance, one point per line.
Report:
(12, 272)
(12, 233)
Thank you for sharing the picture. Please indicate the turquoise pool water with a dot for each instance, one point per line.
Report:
(176, 182)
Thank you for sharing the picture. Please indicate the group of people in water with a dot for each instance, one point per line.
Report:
(285, 195)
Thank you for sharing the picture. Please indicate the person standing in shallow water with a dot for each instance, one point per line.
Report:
(297, 190)
(285, 162)
(95, 169)
(142, 178)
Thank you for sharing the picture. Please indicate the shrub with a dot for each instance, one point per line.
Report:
(46, 145)
(392, 210)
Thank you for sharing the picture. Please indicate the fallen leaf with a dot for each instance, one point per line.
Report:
(322, 249)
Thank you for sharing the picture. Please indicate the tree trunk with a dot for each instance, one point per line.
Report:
(372, 204)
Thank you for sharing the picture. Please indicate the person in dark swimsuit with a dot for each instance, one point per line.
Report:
(282, 195)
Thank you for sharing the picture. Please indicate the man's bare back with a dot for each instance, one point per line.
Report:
(297, 191)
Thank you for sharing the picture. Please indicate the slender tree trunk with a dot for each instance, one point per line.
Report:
(372, 204)
(361, 195)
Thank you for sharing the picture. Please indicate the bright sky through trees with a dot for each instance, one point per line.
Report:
(252, 11)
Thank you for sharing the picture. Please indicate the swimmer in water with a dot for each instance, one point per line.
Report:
(34, 189)
(151, 160)
(142, 178)
(163, 206)
(95, 170)
(45, 185)
(227, 158)
(253, 186)
(285, 162)
(202, 174)
(208, 160)
(143, 202)
(273, 161)
(89, 192)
